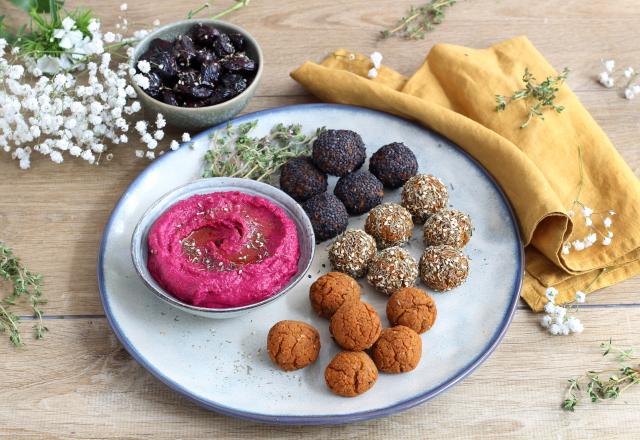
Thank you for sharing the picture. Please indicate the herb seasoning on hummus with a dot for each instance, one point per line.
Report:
(224, 249)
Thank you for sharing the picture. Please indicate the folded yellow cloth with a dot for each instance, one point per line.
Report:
(539, 167)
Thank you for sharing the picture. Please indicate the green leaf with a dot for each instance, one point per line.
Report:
(43, 6)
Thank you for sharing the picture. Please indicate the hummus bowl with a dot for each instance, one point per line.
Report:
(140, 239)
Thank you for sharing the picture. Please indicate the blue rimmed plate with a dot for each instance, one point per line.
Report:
(223, 365)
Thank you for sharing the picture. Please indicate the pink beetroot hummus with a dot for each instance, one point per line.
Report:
(224, 249)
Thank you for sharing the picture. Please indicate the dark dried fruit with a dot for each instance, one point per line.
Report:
(222, 46)
(204, 34)
(234, 82)
(237, 40)
(162, 61)
(158, 44)
(204, 56)
(155, 84)
(184, 50)
(238, 62)
(210, 73)
(187, 79)
(168, 97)
(221, 94)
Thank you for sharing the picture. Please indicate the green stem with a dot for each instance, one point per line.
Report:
(238, 5)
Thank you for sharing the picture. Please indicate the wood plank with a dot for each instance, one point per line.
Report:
(573, 33)
(80, 383)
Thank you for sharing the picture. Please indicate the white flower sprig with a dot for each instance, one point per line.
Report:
(376, 60)
(631, 88)
(60, 115)
(558, 320)
(598, 224)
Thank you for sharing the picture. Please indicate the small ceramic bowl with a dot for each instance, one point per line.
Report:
(201, 117)
(139, 248)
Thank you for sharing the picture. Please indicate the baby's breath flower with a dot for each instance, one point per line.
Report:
(606, 241)
(551, 294)
(376, 59)
(186, 137)
(373, 73)
(174, 145)
(609, 65)
(580, 296)
(124, 7)
(139, 153)
(607, 222)
(144, 66)
(141, 80)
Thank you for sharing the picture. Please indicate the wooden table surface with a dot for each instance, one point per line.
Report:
(81, 383)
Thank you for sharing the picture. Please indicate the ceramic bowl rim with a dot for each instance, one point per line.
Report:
(174, 196)
(159, 32)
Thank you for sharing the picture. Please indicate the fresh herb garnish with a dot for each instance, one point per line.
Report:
(25, 284)
(419, 20)
(234, 153)
(544, 95)
(598, 389)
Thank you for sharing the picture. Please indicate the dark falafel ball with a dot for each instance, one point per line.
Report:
(327, 214)
(300, 178)
(359, 191)
(338, 152)
(393, 164)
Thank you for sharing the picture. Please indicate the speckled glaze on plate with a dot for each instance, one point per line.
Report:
(223, 365)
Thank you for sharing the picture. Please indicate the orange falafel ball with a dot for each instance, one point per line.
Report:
(293, 344)
(331, 291)
(413, 308)
(355, 326)
(351, 373)
(398, 350)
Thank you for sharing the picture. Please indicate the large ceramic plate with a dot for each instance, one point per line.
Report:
(223, 364)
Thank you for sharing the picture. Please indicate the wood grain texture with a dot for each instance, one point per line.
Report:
(84, 385)
(80, 383)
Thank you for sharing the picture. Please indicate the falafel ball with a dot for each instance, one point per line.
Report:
(338, 152)
(390, 224)
(443, 267)
(359, 191)
(300, 178)
(392, 269)
(393, 164)
(351, 252)
(424, 195)
(327, 214)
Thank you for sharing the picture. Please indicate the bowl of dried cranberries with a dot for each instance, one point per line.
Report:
(197, 73)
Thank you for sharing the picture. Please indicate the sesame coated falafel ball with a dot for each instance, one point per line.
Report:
(300, 178)
(338, 152)
(329, 292)
(293, 344)
(448, 226)
(359, 191)
(392, 269)
(390, 224)
(424, 195)
(351, 252)
(327, 214)
(443, 267)
(351, 373)
(393, 164)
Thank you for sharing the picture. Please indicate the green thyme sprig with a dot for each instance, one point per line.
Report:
(25, 284)
(598, 388)
(419, 20)
(238, 4)
(235, 153)
(543, 95)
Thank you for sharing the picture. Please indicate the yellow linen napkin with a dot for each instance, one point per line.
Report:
(538, 167)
